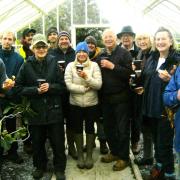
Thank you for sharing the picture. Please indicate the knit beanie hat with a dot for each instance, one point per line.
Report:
(65, 33)
(91, 39)
(82, 46)
(52, 30)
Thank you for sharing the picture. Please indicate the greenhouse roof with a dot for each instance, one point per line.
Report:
(16, 14)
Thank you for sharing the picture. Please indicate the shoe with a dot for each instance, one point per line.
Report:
(28, 148)
(156, 173)
(38, 173)
(103, 147)
(60, 175)
(143, 161)
(109, 158)
(135, 148)
(15, 158)
(120, 165)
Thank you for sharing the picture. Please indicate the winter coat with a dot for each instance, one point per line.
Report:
(152, 105)
(47, 106)
(79, 95)
(116, 81)
(68, 57)
(170, 99)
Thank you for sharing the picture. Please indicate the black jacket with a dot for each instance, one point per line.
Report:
(153, 85)
(117, 80)
(48, 105)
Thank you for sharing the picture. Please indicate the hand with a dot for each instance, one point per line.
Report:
(139, 90)
(44, 87)
(164, 75)
(107, 64)
(8, 84)
(82, 74)
(178, 95)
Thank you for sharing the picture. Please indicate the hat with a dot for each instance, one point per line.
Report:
(65, 33)
(127, 30)
(91, 39)
(39, 38)
(27, 31)
(82, 46)
(52, 30)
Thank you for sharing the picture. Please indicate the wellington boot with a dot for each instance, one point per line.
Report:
(89, 143)
(79, 145)
(71, 144)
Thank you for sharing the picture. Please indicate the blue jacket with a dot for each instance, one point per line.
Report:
(170, 99)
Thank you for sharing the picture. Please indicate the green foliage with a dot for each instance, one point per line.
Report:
(24, 109)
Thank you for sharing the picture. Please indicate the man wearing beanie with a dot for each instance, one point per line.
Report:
(52, 37)
(64, 52)
(94, 51)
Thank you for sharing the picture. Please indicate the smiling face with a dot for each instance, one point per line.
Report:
(109, 39)
(64, 42)
(52, 37)
(40, 50)
(143, 42)
(163, 41)
(82, 56)
(127, 40)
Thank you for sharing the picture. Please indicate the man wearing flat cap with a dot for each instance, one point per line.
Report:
(26, 41)
(52, 37)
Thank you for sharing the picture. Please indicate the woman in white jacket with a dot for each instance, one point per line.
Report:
(83, 80)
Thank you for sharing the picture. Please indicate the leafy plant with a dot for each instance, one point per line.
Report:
(21, 111)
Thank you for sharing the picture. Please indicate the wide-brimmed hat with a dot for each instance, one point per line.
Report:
(126, 30)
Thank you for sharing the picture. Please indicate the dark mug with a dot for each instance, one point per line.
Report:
(79, 67)
(133, 80)
(41, 81)
(61, 63)
(105, 57)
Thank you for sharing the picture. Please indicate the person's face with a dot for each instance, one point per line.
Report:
(52, 37)
(127, 40)
(82, 56)
(7, 41)
(163, 41)
(109, 40)
(144, 42)
(91, 47)
(64, 42)
(28, 38)
(40, 50)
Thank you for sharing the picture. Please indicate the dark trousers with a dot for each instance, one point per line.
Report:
(162, 134)
(81, 114)
(11, 126)
(117, 128)
(55, 133)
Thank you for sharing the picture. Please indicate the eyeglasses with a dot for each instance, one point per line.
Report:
(41, 47)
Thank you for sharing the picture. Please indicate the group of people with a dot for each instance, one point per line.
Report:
(91, 84)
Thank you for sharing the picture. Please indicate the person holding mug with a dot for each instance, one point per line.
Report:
(83, 80)
(41, 81)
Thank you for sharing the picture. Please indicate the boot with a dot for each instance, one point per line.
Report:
(103, 146)
(89, 143)
(71, 147)
(79, 145)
